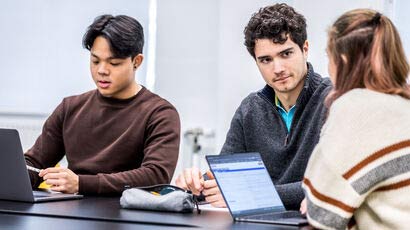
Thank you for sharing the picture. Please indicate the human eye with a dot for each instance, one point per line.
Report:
(287, 53)
(265, 60)
(94, 61)
(116, 62)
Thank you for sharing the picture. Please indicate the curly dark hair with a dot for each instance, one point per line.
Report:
(275, 22)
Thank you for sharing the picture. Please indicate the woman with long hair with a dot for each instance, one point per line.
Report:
(359, 173)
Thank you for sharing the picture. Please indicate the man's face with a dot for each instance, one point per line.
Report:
(114, 77)
(283, 66)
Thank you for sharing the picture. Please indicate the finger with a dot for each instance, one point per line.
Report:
(211, 191)
(196, 179)
(188, 178)
(58, 188)
(216, 200)
(210, 184)
(49, 170)
(54, 176)
(53, 182)
(201, 181)
(180, 181)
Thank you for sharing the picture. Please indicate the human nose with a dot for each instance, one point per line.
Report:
(278, 67)
(102, 69)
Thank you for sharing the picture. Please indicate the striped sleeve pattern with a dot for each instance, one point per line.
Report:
(381, 166)
(384, 170)
(331, 201)
(358, 176)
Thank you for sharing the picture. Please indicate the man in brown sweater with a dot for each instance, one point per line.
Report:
(118, 135)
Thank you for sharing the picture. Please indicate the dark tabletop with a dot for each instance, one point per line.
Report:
(106, 213)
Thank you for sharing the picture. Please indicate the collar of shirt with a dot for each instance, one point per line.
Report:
(287, 116)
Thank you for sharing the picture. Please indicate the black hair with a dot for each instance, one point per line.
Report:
(275, 22)
(124, 34)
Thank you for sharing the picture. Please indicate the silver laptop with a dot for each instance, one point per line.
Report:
(14, 178)
(248, 190)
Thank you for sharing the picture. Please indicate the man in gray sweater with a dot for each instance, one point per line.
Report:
(282, 121)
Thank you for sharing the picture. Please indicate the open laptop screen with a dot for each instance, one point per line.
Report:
(245, 184)
(14, 177)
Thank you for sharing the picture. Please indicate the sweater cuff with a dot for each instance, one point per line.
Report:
(88, 184)
(291, 195)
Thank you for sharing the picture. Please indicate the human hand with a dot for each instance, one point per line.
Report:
(212, 193)
(303, 207)
(191, 179)
(60, 179)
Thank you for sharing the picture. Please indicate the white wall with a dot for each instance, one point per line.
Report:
(321, 14)
(401, 18)
(187, 60)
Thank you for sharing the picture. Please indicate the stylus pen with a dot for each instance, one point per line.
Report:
(31, 168)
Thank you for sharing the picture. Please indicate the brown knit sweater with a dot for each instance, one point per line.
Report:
(110, 143)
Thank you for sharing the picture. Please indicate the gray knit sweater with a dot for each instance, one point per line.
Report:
(258, 127)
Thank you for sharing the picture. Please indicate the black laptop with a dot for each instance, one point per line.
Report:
(14, 178)
(248, 190)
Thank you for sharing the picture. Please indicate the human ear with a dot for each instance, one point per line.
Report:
(137, 60)
(305, 49)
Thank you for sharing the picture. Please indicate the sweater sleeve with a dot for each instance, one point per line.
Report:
(48, 149)
(235, 140)
(161, 149)
(331, 201)
(291, 194)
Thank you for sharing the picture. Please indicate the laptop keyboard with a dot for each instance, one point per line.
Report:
(276, 215)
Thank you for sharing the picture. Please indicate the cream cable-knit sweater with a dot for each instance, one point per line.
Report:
(359, 173)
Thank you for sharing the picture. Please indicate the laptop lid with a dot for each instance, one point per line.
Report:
(14, 178)
(245, 184)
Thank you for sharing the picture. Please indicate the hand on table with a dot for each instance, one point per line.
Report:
(60, 179)
(192, 179)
